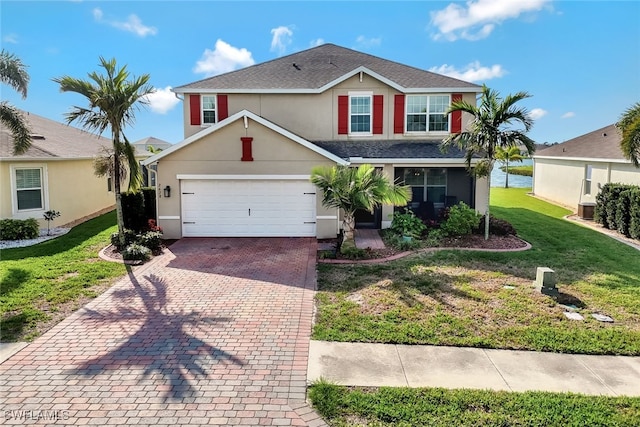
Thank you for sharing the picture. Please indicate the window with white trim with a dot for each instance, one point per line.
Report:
(360, 113)
(29, 189)
(588, 172)
(426, 113)
(208, 109)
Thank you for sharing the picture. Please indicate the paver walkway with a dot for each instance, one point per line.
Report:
(360, 364)
(368, 239)
(213, 332)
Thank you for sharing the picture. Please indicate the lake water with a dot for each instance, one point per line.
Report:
(498, 177)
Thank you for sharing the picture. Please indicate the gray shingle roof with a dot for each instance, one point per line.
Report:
(603, 143)
(53, 141)
(318, 66)
(390, 149)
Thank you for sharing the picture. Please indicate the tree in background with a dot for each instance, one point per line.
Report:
(629, 125)
(113, 99)
(350, 189)
(507, 155)
(490, 129)
(14, 73)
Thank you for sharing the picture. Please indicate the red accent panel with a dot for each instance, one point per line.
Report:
(398, 114)
(378, 108)
(223, 107)
(246, 149)
(194, 106)
(456, 116)
(343, 114)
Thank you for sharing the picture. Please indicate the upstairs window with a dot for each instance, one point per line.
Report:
(360, 113)
(208, 109)
(426, 113)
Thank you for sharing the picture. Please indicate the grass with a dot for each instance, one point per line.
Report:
(518, 170)
(459, 298)
(342, 406)
(41, 284)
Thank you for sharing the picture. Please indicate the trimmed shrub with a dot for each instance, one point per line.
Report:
(497, 227)
(461, 220)
(19, 229)
(129, 238)
(151, 240)
(136, 252)
(622, 212)
(407, 224)
(634, 213)
(616, 206)
(133, 211)
(149, 198)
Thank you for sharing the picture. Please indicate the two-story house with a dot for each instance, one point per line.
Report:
(253, 135)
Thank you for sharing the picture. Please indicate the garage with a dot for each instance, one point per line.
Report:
(261, 206)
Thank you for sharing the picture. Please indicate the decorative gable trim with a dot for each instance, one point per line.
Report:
(231, 119)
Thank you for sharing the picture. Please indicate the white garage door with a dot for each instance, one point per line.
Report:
(248, 208)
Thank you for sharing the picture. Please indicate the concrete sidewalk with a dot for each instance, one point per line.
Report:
(359, 364)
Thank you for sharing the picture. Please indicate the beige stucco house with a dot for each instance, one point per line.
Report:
(253, 136)
(56, 173)
(572, 173)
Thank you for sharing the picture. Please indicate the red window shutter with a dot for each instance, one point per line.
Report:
(343, 115)
(378, 116)
(456, 116)
(398, 114)
(246, 149)
(194, 106)
(223, 107)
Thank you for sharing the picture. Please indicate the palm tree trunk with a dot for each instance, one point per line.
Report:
(487, 214)
(116, 189)
(506, 178)
(349, 225)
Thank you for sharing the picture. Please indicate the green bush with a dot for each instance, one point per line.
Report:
(151, 240)
(399, 242)
(136, 252)
(19, 229)
(461, 220)
(634, 214)
(623, 206)
(616, 207)
(497, 227)
(434, 238)
(407, 224)
(129, 238)
(133, 211)
(149, 197)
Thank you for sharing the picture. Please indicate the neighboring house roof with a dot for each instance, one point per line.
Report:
(601, 144)
(244, 114)
(391, 149)
(317, 69)
(143, 144)
(53, 140)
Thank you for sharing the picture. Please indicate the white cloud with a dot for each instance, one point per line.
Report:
(478, 18)
(473, 72)
(10, 38)
(162, 100)
(537, 113)
(222, 59)
(316, 42)
(568, 115)
(281, 39)
(364, 42)
(133, 24)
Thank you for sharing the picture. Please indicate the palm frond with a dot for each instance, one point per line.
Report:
(14, 120)
(13, 72)
(629, 125)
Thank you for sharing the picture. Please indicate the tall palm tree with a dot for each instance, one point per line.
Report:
(14, 73)
(490, 129)
(113, 100)
(350, 189)
(507, 155)
(629, 124)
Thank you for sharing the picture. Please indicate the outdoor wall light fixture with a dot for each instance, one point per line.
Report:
(167, 191)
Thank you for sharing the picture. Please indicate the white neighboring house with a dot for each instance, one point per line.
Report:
(572, 173)
(143, 147)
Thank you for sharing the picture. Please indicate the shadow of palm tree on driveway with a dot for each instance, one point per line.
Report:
(163, 346)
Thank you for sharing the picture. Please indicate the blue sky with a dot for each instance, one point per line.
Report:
(580, 60)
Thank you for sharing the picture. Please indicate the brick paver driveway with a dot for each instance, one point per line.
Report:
(213, 332)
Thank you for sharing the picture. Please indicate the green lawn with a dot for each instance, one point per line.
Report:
(459, 298)
(398, 407)
(43, 283)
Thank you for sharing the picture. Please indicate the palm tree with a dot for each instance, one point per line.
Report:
(629, 124)
(14, 73)
(490, 129)
(506, 155)
(350, 189)
(113, 100)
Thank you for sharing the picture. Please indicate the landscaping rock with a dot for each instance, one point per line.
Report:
(572, 315)
(602, 318)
